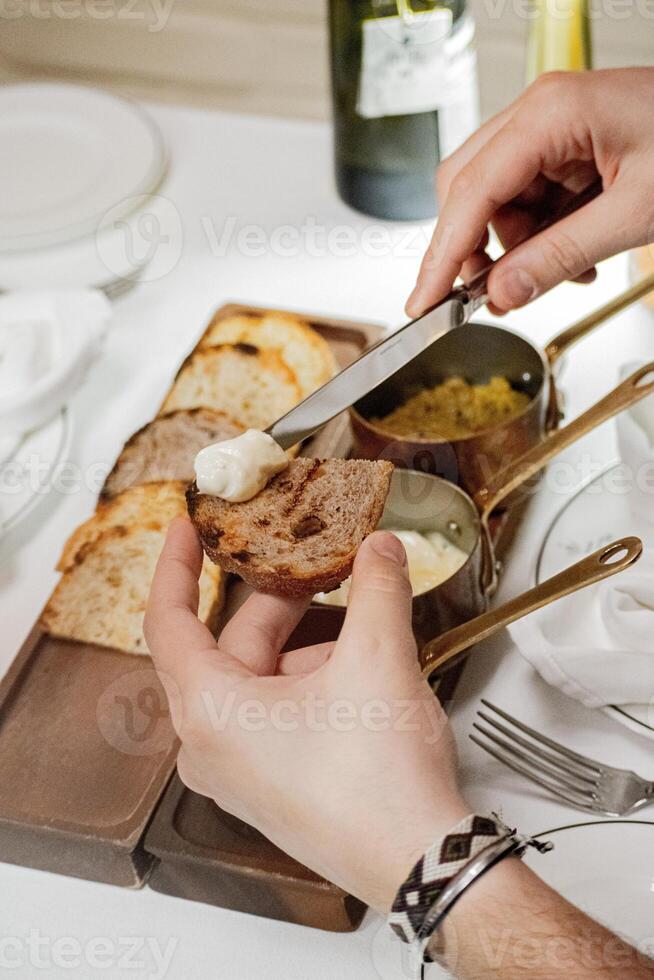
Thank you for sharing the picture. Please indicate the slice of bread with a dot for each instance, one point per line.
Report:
(305, 351)
(300, 534)
(152, 505)
(102, 597)
(165, 449)
(254, 386)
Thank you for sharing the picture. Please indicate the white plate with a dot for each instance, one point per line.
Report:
(597, 514)
(601, 867)
(28, 473)
(69, 154)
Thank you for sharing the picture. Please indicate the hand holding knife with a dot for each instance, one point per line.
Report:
(394, 351)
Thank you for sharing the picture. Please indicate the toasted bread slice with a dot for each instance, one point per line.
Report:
(254, 386)
(165, 449)
(305, 351)
(299, 535)
(102, 597)
(152, 505)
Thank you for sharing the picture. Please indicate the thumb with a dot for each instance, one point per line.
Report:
(379, 603)
(564, 251)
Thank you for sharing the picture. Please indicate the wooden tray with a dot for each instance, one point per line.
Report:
(87, 751)
(86, 744)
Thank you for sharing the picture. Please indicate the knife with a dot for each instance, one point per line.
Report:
(394, 351)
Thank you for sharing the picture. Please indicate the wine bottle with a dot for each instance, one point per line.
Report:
(559, 37)
(404, 88)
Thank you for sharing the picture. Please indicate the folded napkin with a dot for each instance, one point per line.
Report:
(597, 646)
(47, 340)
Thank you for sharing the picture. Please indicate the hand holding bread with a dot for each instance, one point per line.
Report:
(357, 709)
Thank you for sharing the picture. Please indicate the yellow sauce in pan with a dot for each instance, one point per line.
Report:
(455, 409)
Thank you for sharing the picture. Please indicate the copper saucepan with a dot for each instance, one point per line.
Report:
(477, 352)
(444, 651)
(423, 502)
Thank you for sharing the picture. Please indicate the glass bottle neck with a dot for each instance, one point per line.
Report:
(559, 37)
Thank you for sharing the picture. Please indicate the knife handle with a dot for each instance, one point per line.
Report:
(474, 294)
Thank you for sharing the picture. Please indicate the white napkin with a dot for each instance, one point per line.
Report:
(47, 340)
(597, 646)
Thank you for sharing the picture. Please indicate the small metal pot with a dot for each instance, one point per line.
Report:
(476, 352)
(423, 502)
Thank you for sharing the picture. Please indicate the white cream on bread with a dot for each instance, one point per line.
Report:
(237, 469)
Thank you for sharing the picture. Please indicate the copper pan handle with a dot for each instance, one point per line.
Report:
(448, 647)
(567, 338)
(508, 479)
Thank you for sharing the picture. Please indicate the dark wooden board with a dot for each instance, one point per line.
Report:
(87, 751)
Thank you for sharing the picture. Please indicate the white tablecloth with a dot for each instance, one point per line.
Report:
(242, 187)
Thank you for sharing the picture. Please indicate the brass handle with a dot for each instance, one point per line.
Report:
(564, 341)
(508, 479)
(448, 647)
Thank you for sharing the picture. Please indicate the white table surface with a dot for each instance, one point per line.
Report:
(227, 173)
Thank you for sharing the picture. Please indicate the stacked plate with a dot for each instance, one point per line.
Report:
(80, 172)
(79, 168)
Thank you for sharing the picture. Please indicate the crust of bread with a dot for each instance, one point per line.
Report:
(252, 385)
(307, 353)
(152, 505)
(102, 597)
(134, 466)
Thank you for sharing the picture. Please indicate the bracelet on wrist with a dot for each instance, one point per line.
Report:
(447, 870)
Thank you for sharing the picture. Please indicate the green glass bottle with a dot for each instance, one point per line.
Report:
(559, 37)
(405, 94)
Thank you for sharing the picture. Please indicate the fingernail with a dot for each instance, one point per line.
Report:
(516, 287)
(388, 546)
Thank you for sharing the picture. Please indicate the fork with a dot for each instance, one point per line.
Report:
(582, 782)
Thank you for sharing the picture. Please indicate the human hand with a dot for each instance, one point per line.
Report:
(340, 753)
(563, 131)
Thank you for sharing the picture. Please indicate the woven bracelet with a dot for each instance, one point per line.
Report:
(446, 870)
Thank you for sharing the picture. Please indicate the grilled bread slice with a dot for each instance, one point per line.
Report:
(305, 351)
(300, 534)
(165, 449)
(254, 386)
(102, 597)
(151, 505)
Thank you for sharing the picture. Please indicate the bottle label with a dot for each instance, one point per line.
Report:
(458, 115)
(403, 64)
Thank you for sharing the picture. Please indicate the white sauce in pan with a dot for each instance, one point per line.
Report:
(432, 560)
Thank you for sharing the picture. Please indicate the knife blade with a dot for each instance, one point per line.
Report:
(393, 352)
(375, 365)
